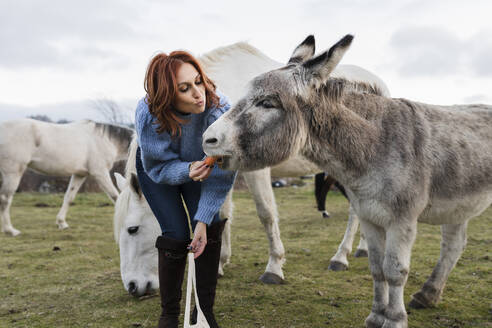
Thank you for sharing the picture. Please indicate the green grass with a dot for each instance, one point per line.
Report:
(80, 285)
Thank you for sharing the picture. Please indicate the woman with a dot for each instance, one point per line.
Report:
(181, 102)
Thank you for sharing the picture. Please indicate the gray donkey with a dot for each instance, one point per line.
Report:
(400, 162)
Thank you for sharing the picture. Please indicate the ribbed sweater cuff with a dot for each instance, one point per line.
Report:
(205, 215)
(181, 173)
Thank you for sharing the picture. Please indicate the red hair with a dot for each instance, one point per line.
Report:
(161, 87)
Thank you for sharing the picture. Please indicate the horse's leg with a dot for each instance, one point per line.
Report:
(400, 236)
(362, 247)
(452, 245)
(259, 184)
(376, 238)
(9, 183)
(225, 250)
(104, 181)
(339, 261)
(322, 185)
(73, 187)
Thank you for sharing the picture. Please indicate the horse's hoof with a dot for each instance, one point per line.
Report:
(63, 226)
(361, 253)
(13, 232)
(270, 278)
(325, 214)
(337, 266)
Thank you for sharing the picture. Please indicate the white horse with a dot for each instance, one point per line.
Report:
(135, 227)
(79, 150)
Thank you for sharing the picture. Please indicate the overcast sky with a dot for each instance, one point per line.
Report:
(57, 56)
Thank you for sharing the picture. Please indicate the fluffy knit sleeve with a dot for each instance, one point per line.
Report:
(159, 161)
(215, 188)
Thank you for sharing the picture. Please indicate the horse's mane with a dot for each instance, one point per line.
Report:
(213, 57)
(124, 197)
(132, 156)
(118, 133)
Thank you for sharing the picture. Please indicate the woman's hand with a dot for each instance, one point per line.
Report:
(199, 171)
(199, 239)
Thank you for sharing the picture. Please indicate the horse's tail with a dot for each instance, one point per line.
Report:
(132, 156)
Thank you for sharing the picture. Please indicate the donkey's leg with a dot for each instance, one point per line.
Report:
(10, 182)
(73, 187)
(260, 186)
(362, 247)
(376, 239)
(339, 261)
(400, 237)
(225, 250)
(452, 245)
(104, 181)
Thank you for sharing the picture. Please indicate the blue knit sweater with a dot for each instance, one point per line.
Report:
(166, 160)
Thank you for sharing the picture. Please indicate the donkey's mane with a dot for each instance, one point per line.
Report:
(215, 56)
(335, 88)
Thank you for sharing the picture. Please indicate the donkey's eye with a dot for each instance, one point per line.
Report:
(132, 230)
(265, 104)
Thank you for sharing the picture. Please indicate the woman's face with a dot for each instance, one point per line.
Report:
(190, 96)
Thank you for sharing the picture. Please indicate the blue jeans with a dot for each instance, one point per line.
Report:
(165, 202)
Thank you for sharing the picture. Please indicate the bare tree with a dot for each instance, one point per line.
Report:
(112, 112)
(40, 117)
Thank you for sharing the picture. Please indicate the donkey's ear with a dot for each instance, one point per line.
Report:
(303, 52)
(120, 181)
(320, 67)
(135, 185)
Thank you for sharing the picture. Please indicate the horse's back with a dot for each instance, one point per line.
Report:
(17, 142)
(358, 74)
(231, 67)
(49, 148)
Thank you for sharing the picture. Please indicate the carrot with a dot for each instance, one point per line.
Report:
(210, 160)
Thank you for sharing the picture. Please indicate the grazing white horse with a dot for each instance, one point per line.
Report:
(136, 229)
(400, 162)
(78, 149)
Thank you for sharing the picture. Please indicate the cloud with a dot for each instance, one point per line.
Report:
(435, 51)
(32, 32)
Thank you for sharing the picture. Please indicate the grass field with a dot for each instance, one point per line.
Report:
(70, 278)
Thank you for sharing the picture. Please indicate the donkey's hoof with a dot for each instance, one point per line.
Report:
(361, 253)
(420, 301)
(395, 324)
(414, 304)
(337, 266)
(325, 214)
(270, 278)
(375, 320)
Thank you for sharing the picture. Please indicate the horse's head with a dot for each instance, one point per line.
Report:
(135, 231)
(270, 123)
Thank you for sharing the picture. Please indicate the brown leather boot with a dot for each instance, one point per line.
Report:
(207, 265)
(172, 262)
